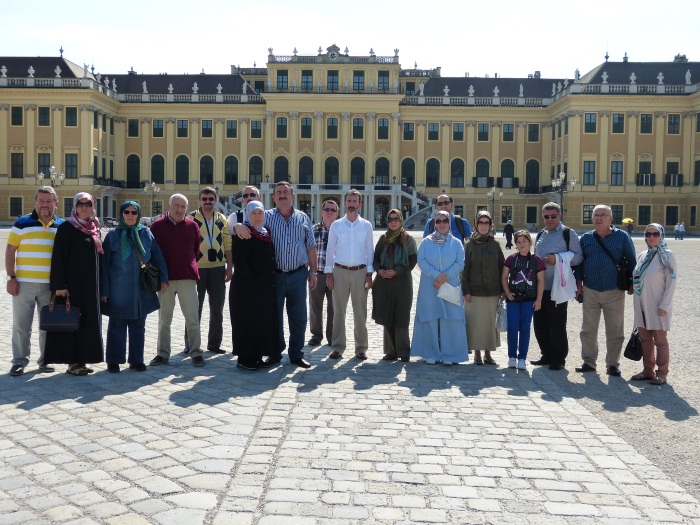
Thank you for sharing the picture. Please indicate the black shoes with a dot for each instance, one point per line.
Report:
(585, 368)
(556, 366)
(198, 361)
(303, 363)
(245, 366)
(219, 351)
(46, 369)
(614, 371)
(113, 368)
(158, 360)
(541, 362)
(270, 361)
(314, 342)
(138, 367)
(16, 370)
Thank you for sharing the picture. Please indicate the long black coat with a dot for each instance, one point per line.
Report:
(75, 267)
(252, 300)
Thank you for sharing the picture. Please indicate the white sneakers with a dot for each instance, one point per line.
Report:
(430, 361)
(512, 361)
(521, 364)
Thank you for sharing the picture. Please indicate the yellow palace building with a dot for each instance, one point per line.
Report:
(624, 134)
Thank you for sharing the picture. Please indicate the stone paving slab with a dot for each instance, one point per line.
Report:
(346, 442)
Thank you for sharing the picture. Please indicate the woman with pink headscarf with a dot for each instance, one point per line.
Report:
(75, 276)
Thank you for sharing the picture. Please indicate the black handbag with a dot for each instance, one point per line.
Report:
(624, 277)
(59, 317)
(150, 275)
(633, 350)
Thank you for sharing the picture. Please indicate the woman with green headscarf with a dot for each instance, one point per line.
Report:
(395, 255)
(127, 304)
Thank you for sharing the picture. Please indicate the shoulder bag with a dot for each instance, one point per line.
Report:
(624, 278)
(150, 275)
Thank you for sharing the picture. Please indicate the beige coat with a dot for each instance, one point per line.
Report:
(657, 293)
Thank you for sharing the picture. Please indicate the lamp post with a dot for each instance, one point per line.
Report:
(152, 190)
(493, 195)
(559, 185)
(55, 179)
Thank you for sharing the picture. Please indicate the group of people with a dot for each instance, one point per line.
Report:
(271, 257)
(679, 231)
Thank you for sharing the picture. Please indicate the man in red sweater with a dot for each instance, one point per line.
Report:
(178, 239)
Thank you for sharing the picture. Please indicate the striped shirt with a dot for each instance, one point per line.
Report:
(34, 242)
(291, 238)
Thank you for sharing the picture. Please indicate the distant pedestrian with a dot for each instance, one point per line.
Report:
(654, 283)
(681, 230)
(677, 230)
(508, 232)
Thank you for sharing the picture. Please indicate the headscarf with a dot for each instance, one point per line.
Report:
(130, 234)
(394, 252)
(436, 236)
(259, 233)
(661, 250)
(480, 238)
(89, 226)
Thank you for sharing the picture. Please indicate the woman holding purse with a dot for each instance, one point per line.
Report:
(124, 299)
(439, 331)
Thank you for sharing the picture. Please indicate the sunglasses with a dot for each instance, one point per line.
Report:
(443, 203)
(86, 204)
(247, 195)
(207, 199)
(330, 210)
(488, 223)
(550, 216)
(652, 234)
(440, 221)
(396, 219)
(130, 212)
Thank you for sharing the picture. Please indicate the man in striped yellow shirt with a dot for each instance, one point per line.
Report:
(28, 266)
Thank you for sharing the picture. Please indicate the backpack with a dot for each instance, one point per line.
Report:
(239, 217)
(460, 226)
(522, 280)
(578, 269)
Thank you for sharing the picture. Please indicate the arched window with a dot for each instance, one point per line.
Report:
(408, 172)
(133, 171)
(206, 170)
(182, 170)
(331, 169)
(482, 168)
(157, 169)
(457, 174)
(532, 174)
(306, 170)
(432, 173)
(255, 169)
(507, 169)
(381, 170)
(281, 169)
(231, 170)
(357, 171)
(381, 210)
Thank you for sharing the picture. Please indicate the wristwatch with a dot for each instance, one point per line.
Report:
(10, 277)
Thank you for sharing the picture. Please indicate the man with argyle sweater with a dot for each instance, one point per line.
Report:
(214, 262)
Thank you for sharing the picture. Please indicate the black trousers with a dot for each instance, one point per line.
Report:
(550, 330)
(212, 283)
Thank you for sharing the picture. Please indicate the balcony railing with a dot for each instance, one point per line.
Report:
(104, 181)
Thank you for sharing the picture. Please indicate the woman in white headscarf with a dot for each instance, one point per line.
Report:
(252, 299)
(439, 330)
(654, 283)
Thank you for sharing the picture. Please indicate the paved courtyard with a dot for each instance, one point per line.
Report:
(346, 442)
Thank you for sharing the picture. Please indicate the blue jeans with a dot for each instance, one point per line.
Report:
(116, 340)
(519, 320)
(292, 289)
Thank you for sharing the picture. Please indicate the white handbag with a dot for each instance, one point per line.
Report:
(501, 317)
(451, 294)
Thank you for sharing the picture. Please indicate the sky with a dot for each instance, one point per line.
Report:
(505, 37)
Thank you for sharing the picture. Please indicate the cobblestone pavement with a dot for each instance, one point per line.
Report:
(345, 442)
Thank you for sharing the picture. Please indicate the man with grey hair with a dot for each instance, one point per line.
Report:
(28, 265)
(549, 321)
(604, 249)
(178, 238)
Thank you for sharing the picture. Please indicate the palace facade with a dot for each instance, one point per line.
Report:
(624, 134)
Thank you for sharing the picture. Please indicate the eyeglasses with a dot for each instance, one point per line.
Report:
(130, 212)
(443, 203)
(207, 199)
(330, 210)
(652, 234)
(488, 223)
(247, 195)
(396, 219)
(439, 221)
(86, 204)
(550, 216)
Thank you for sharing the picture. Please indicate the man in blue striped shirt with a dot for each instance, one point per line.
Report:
(601, 292)
(295, 255)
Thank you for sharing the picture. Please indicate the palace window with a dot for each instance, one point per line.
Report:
(332, 80)
(408, 131)
(588, 172)
(71, 166)
(306, 127)
(410, 88)
(282, 79)
(646, 123)
(671, 215)
(383, 128)
(182, 170)
(17, 165)
(207, 129)
(16, 206)
(307, 79)
(281, 127)
(17, 116)
(71, 116)
(643, 214)
(231, 129)
(256, 129)
(44, 163)
(588, 213)
(157, 126)
(433, 131)
(358, 80)
(482, 132)
(674, 124)
(358, 128)
(616, 173)
(44, 116)
(383, 84)
(231, 170)
(590, 122)
(182, 128)
(132, 127)
(457, 132)
(158, 169)
(533, 132)
(508, 130)
(432, 173)
(332, 128)
(617, 211)
(457, 174)
(618, 123)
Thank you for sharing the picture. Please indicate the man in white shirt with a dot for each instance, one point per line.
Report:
(349, 269)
